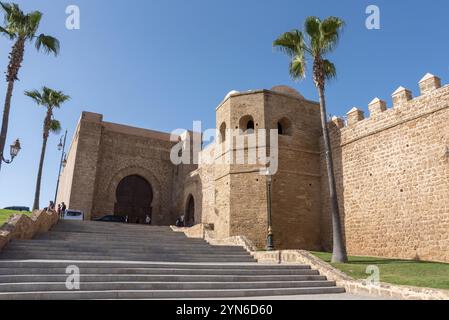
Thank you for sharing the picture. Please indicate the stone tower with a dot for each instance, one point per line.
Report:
(241, 189)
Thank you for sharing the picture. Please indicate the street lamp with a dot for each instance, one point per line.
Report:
(63, 163)
(270, 243)
(14, 150)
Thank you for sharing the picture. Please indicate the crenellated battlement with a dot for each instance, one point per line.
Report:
(433, 97)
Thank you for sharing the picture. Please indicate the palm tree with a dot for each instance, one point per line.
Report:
(21, 28)
(320, 38)
(50, 99)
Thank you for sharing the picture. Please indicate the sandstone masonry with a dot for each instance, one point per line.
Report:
(392, 173)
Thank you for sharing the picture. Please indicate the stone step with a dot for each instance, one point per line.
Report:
(116, 236)
(118, 244)
(139, 250)
(134, 286)
(160, 265)
(116, 240)
(158, 271)
(100, 225)
(159, 278)
(167, 294)
(8, 255)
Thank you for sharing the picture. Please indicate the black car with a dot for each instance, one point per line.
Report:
(21, 209)
(111, 218)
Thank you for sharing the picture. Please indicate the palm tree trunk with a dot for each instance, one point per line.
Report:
(5, 121)
(37, 193)
(15, 62)
(339, 249)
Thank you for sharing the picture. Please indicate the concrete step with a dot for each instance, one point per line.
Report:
(105, 286)
(84, 277)
(167, 294)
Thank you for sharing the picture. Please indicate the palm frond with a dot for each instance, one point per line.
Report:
(48, 97)
(48, 44)
(290, 43)
(55, 126)
(330, 29)
(14, 18)
(34, 18)
(312, 28)
(329, 70)
(35, 95)
(6, 7)
(298, 67)
(7, 33)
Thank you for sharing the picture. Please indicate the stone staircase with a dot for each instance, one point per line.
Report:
(120, 261)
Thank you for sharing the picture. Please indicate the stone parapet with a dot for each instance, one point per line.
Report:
(22, 227)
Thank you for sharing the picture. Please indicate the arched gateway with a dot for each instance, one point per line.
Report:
(134, 198)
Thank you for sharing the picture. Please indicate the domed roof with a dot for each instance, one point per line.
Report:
(231, 93)
(287, 90)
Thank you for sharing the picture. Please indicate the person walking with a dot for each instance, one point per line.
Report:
(63, 209)
(148, 219)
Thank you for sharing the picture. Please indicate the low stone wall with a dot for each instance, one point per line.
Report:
(360, 287)
(352, 286)
(25, 227)
(196, 232)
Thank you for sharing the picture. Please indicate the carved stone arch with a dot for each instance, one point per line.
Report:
(136, 171)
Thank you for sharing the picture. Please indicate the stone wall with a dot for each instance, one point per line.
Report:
(22, 227)
(392, 172)
(103, 153)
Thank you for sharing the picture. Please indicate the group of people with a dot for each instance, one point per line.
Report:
(137, 220)
(60, 210)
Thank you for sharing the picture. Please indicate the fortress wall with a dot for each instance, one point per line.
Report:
(392, 173)
(78, 178)
(66, 179)
(206, 174)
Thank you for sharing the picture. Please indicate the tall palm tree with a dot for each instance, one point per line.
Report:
(21, 28)
(320, 38)
(50, 99)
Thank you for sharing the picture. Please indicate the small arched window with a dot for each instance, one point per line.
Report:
(222, 132)
(246, 124)
(285, 127)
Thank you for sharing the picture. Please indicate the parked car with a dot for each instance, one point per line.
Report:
(112, 218)
(21, 209)
(73, 215)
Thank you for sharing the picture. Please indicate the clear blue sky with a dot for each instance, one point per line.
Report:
(161, 64)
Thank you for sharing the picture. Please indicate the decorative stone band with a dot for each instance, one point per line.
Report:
(24, 227)
(352, 286)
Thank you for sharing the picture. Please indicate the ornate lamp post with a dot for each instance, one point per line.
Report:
(270, 243)
(13, 151)
(63, 163)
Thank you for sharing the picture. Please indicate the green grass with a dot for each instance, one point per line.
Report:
(5, 214)
(401, 272)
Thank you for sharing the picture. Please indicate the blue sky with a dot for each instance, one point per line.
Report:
(161, 64)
